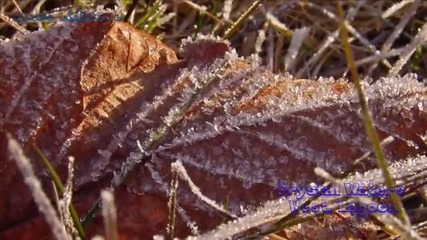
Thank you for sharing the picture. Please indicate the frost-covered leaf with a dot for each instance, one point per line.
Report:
(40, 98)
(60, 90)
(413, 169)
(242, 139)
(244, 128)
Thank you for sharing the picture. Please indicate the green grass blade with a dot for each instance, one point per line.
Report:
(92, 213)
(153, 22)
(199, 24)
(60, 187)
(142, 21)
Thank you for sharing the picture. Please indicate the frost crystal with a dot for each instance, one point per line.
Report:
(238, 129)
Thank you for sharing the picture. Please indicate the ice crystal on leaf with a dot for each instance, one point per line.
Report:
(126, 108)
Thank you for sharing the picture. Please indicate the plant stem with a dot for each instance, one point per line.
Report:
(367, 119)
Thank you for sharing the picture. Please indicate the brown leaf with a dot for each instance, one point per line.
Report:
(40, 98)
(56, 86)
(93, 97)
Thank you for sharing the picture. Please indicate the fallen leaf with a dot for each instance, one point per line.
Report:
(92, 90)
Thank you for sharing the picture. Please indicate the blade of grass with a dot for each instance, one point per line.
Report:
(367, 118)
(178, 167)
(130, 10)
(13, 23)
(110, 215)
(65, 202)
(240, 21)
(208, 14)
(419, 40)
(43, 203)
(143, 21)
(215, 9)
(18, 7)
(199, 23)
(227, 207)
(91, 213)
(60, 188)
(153, 22)
(172, 206)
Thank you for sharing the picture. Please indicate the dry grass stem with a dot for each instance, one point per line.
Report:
(109, 214)
(419, 40)
(34, 185)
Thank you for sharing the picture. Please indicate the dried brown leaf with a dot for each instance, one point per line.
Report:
(92, 90)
